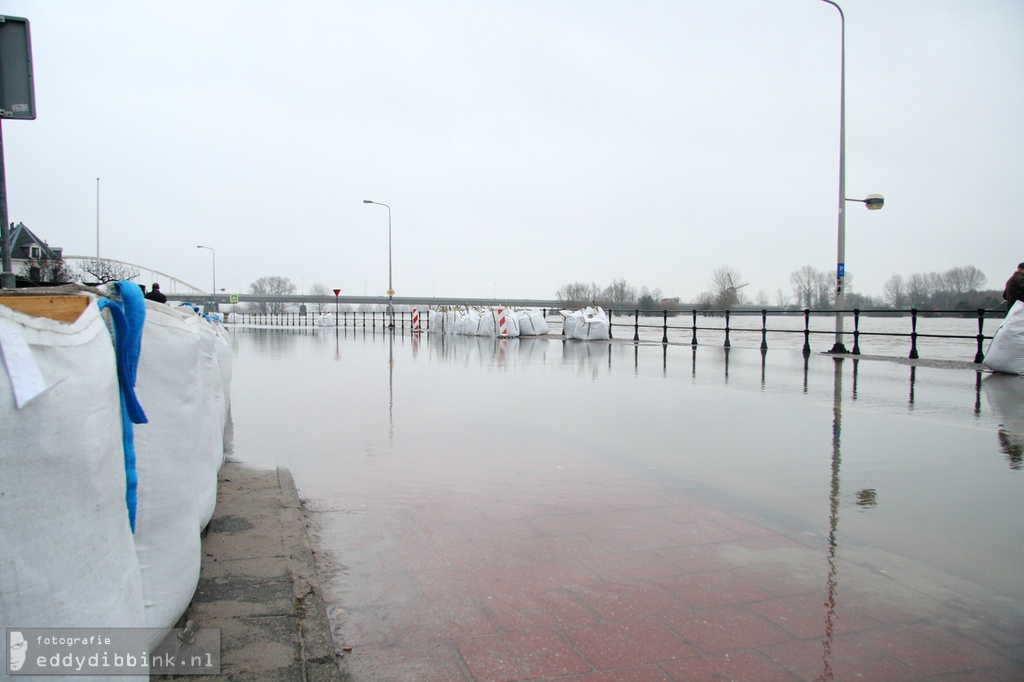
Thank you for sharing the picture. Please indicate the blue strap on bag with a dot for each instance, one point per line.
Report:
(128, 316)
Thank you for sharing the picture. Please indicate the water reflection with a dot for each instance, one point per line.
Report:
(1005, 395)
(833, 519)
(519, 463)
(758, 449)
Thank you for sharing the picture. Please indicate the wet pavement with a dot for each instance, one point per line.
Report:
(482, 513)
(622, 578)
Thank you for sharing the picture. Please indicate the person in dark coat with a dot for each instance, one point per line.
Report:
(1014, 290)
(156, 295)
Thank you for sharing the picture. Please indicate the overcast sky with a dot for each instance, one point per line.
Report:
(523, 145)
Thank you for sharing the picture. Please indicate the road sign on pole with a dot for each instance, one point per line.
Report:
(17, 100)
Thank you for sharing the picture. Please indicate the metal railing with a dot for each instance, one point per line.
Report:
(700, 325)
(912, 334)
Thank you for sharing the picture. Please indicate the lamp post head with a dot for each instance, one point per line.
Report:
(874, 202)
(367, 201)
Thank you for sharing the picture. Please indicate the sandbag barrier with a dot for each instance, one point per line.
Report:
(70, 556)
(498, 322)
(529, 321)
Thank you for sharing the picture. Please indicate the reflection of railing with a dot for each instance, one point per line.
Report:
(912, 335)
(403, 320)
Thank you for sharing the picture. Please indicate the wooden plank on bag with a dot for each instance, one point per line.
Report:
(59, 308)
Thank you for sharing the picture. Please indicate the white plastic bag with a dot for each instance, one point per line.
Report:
(570, 321)
(66, 551)
(532, 323)
(1006, 350)
(467, 322)
(586, 325)
(172, 476)
(485, 326)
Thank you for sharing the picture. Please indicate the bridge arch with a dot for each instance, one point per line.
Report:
(176, 285)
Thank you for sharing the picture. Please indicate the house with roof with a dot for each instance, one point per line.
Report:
(33, 261)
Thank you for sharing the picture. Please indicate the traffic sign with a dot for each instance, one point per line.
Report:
(337, 292)
(391, 292)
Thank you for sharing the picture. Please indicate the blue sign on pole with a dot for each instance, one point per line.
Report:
(841, 270)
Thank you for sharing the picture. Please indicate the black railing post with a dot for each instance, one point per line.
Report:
(636, 324)
(807, 331)
(727, 344)
(979, 356)
(913, 334)
(693, 340)
(764, 329)
(610, 323)
(664, 326)
(856, 331)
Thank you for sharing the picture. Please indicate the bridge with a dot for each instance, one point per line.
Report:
(403, 301)
(177, 289)
(173, 284)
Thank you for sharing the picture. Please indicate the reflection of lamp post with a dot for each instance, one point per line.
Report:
(391, 291)
(873, 202)
(213, 292)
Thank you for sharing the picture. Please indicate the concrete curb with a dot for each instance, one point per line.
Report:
(258, 583)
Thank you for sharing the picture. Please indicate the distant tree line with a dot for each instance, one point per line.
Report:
(618, 294)
(959, 288)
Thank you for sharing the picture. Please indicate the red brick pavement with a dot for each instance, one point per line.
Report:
(630, 579)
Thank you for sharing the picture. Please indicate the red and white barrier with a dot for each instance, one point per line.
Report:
(502, 322)
(416, 319)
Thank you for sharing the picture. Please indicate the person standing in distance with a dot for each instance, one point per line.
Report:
(155, 294)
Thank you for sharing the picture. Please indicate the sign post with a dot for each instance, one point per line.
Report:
(337, 292)
(17, 100)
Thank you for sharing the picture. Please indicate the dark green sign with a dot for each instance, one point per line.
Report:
(17, 92)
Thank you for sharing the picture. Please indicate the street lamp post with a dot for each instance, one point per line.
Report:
(872, 202)
(391, 291)
(213, 292)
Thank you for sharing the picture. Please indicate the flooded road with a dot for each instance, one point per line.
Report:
(520, 509)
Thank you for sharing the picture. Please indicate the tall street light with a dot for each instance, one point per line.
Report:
(873, 202)
(391, 291)
(213, 292)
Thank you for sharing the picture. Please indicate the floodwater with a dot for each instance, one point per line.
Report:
(537, 509)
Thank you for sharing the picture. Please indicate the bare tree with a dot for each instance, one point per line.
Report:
(808, 283)
(725, 285)
(648, 299)
(919, 289)
(46, 271)
(895, 291)
(101, 271)
(272, 286)
(705, 301)
(578, 294)
(319, 289)
(964, 279)
(619, 294)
